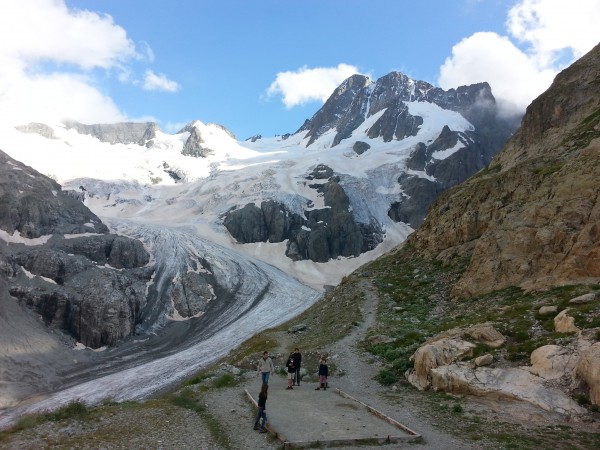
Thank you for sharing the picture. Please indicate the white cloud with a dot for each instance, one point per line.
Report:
(159, 82)
(551, 26)
(306, 85)
(48, 56)
(514, 78)
(552, 34)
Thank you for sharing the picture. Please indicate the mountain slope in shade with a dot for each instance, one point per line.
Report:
(531, 218)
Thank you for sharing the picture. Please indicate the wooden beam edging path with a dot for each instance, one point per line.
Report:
(381, 415)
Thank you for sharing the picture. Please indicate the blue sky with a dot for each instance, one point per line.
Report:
(264, 66)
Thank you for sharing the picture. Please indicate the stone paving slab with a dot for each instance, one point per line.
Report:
(304, 416)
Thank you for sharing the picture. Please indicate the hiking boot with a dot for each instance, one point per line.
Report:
(263, 430)
(255, 428)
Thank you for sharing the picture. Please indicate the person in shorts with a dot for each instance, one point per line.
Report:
(291, 369)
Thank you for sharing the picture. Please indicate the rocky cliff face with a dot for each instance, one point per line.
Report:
(322, 234)
(531, 217)
(59, 260)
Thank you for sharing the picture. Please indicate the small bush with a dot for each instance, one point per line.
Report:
(582, 399)
(386, 377)
(225, 380)
(74, 410)
(458, 409)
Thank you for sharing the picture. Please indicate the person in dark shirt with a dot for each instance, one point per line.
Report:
(297, 364)
(262, 409)
(291, 370)
(323, 374)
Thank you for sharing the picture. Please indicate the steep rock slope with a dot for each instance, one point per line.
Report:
(531, 218)
(60, 260)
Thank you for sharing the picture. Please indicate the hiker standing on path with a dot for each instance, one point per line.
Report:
(291, 370)
(265, 367)
(323, 374)
(262, 408)
(297, 364)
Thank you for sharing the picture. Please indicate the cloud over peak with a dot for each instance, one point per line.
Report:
(543, 37)
(306, 85)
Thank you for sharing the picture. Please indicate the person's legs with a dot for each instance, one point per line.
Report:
(261, 412)
(264, 421)
(265, 377)
(297, 377)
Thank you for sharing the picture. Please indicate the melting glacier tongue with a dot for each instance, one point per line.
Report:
(251, 296)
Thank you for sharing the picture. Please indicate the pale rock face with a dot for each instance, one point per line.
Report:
(588, 368)
(563, 323)
(552, 362)
(513, 383)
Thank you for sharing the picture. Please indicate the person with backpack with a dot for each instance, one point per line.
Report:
(262, 409)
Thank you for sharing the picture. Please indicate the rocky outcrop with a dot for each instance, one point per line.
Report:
(34, 205)
(91, 286)
(271, 222)
(444, 363)
(194, 144)
(118, 133)
(530, 218)
(321, 235)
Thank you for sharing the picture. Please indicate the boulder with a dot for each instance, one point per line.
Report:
(484, 360)
(588, 368)
(547, 310)
(552, 362)
(297, 328)
(439, 353)
(583, 299)
(563, 323)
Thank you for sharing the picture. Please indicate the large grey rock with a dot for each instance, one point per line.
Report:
(323, 234)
